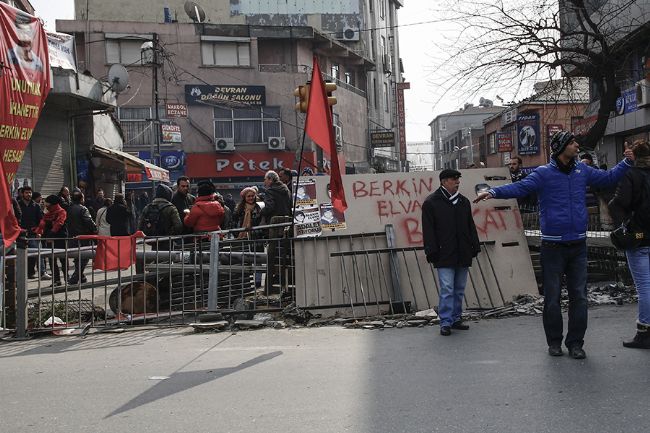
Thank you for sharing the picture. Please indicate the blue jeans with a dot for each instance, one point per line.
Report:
(452, 291)
(638, 261)
(558, 259)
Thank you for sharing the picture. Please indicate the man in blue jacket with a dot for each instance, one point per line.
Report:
(560, 186)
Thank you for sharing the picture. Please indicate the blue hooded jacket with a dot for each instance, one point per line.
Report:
(562, 202)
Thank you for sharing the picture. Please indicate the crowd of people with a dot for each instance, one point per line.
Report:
(57, 220)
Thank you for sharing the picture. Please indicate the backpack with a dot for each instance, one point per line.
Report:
(151, 221)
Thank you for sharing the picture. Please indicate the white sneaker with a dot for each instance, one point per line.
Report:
(46, 276)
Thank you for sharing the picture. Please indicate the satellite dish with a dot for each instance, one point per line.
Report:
(194, 11)
(118, 77)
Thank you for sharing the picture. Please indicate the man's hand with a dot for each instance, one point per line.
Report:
(485, 195)
(629, 154)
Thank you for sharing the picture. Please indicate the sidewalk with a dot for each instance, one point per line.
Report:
(496, 377)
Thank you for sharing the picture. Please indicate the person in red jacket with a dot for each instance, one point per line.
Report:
(53, 228)
(207, 213)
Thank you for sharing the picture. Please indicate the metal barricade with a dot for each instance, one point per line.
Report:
(124, 281)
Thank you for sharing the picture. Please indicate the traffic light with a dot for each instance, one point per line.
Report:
(330, 88)
(302, 92)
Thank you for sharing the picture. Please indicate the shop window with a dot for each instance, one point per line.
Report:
(251, 125)
(216, 53)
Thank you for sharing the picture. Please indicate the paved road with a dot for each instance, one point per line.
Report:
(494, 378)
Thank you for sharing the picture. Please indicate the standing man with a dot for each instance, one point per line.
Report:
(450, 243)
(560, 186)
(183, 200)
(30, 217)
(79, 222)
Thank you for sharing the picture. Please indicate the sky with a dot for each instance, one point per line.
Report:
(417, 49)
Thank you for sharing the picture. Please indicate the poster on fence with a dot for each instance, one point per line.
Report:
(305, 193)
(307, 222)
(330, 218)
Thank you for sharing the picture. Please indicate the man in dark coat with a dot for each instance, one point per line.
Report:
(277, 199)
(183, 200)
(79, 222)
(30, 217)
(450, 243)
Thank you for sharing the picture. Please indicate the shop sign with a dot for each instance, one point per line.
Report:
(528, 134)
(175, 110)
(240, 164)
(382, 139)
(171, 133)
(61, 48)
(504, 141)
(199, 94)
(626, 103)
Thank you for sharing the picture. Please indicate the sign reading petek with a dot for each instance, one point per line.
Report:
(199, 94)
(24, 82)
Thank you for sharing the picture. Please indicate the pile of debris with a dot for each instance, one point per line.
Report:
(293, 316)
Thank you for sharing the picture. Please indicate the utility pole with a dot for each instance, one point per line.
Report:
(149, 54)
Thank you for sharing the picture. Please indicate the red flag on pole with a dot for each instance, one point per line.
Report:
(319, 127)
(8, 222)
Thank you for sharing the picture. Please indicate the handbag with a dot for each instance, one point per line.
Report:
(624, 238)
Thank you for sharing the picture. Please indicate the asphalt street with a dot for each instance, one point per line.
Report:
(496, 377)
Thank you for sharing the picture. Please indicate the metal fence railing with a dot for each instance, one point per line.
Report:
(122, 281)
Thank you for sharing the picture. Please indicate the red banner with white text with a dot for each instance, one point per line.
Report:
(24, 82)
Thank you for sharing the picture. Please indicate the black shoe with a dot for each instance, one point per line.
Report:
(555, 351)
(445, 330)
(459, 325)
(640, 341)
(74, 280)
(576, 352)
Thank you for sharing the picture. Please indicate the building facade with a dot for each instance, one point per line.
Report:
(234, 80)
(525, 129)
(449, 125)
(622, 24)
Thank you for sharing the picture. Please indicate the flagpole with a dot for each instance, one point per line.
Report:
(295, 192)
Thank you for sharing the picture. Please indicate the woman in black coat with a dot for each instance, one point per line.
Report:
(118, 216)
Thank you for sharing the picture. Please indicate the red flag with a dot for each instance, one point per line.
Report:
(319, 127)
(114, 252)
(8, 222)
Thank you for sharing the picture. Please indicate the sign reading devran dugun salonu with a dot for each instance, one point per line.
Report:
(24, 82)
(200, 94)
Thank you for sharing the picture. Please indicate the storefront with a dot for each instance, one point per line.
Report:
(231, 172)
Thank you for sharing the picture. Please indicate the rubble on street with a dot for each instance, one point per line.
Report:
(607, 293)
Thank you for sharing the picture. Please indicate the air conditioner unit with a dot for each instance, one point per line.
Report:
(349, 34)
(643, 93)
(276, 143)
(224, 144)
(338, 134)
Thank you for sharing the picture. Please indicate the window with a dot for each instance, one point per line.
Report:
(492, 143)
(372, 44)
(247, 125)
(382, 46)
(382, 8)
(386, 97)
(443, 125)
(371, 5)
(214, 53)
(136, 126)
(348, 78)
(335, 71)
(124, 51)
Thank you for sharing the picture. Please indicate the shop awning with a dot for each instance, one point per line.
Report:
(134, 164)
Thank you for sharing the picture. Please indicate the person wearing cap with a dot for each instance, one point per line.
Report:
(560, 186)
(450, 243)
(170, 222)
(207, 214)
